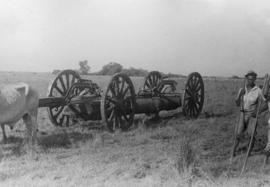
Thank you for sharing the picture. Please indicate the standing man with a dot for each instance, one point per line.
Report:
(248, 99)
(267, 148)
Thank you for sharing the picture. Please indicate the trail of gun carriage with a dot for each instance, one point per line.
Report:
(140, 131)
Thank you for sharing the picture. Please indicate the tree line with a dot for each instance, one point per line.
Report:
(113, 67)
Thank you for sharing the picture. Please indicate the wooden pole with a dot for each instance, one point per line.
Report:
(250, 146)
(241, 115)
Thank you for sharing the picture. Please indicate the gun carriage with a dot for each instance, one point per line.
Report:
(118, 104)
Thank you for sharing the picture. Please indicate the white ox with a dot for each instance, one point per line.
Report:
(19, 101)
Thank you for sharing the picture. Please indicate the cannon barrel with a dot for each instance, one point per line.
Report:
(158, 103)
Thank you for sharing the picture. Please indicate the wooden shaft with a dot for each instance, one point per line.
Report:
(60, 101)
(251, 141)
(241, 115)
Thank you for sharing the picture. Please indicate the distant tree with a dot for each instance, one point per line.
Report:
(135, 72)
(84, 68)
(172, 75)
(111, 68)
(235, 77)
(56, 71)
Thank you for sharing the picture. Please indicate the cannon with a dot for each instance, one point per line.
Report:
(117, 105)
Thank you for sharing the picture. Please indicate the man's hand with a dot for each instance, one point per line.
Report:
(239, 95)
(241, 92)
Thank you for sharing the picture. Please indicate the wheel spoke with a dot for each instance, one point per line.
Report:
(111, 107)
(198, 88)
(151, 82)
(112, 114)
(194, 112)
(147, 84)
(122, 87)
(112, 90)
(189, 83)
(59, 90)
(196, 108)
(62, 83)
(123, 113)
(126, 118)
(121, 122)
(187, 97)
(112, 100)
(198, 98)
(61, 120)
(67, 79)
(68, 120)
(72, 80)
(116, 124)
(152, 86)
(189, 92)
(154, 80)
(117, 82)
(189, 110)
(158, 82)
(126, 90)
(193, 80)
(196, 85)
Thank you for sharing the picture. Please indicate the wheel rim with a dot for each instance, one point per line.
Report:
(118, 103)
(59, 88)
(152, 81)
(193, 96)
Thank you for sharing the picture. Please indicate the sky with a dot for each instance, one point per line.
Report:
(213, 37)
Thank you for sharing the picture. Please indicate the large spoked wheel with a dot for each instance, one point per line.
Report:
(118, 103)
(193, 96)
(59, 88)
(152, 81)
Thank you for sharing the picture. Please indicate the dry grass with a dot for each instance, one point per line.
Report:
(186, 158)
(172, 152)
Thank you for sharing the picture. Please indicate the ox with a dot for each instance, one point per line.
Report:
(19, 101)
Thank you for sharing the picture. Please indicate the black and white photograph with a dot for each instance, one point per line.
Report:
(151, 93)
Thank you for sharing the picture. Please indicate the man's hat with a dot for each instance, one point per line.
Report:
(251, 73)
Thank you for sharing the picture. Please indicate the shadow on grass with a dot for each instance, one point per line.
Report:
(15, 146)
(64, 140)
(163, 121)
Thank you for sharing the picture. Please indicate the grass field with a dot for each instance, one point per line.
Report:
(171, 152)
